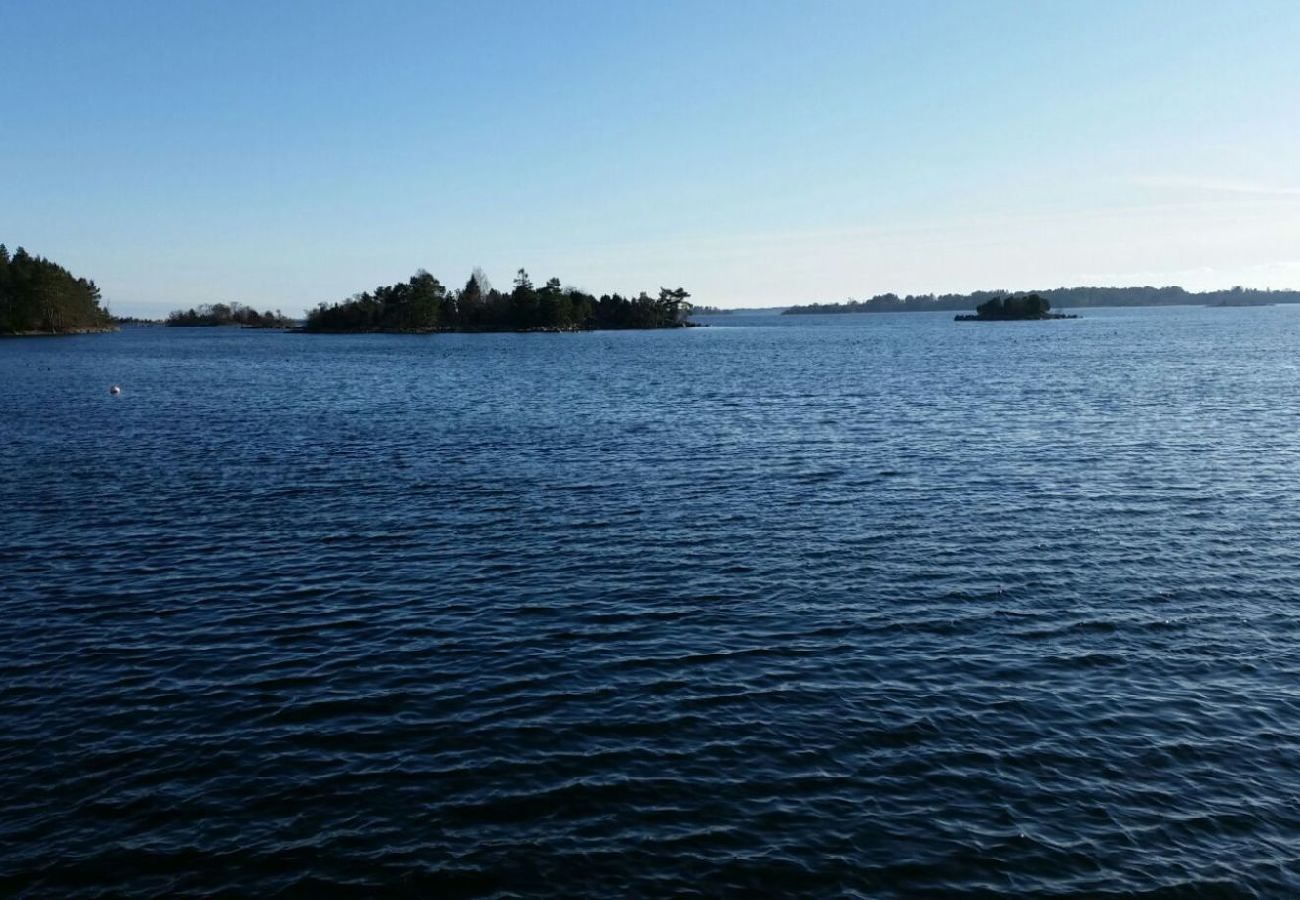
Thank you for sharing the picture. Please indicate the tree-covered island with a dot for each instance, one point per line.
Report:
(38, 296)
(1013, 309)
(423, 304)
(216, 314)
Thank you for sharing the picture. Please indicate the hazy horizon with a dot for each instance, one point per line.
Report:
(760, 156)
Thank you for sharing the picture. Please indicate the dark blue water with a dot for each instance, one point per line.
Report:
(873, 605)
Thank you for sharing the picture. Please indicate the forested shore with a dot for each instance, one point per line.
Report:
(424, 304)
(1061, 298)
(39, 296)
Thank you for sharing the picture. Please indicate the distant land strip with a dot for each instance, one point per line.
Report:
(1061, 298)
(217, 314)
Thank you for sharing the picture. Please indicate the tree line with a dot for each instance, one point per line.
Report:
(39, 295)
(423, 304)
(211, 314)
(1072, 297)
(1030, 306)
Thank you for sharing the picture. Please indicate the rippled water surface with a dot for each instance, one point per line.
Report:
(877, 605)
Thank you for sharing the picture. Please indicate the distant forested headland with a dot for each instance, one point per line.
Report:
(228, 314)
(1070, 298)
(423, 304)
(39, 296)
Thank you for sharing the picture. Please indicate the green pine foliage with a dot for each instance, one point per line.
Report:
(423, 304)
(40, 296)
(1030, 306)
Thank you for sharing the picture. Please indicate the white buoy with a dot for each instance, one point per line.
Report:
(115, 390)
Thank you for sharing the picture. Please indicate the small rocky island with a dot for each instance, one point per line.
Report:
(1014, 309)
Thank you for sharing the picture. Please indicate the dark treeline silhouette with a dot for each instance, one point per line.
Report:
(40, 296)
(1072, 298)
(228, 314)
(1013, 308)
(423, 304)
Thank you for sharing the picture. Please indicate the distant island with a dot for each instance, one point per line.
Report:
(38, 296)
(710, 311)
(422, 304)
(1013, 309)
(746, 310)
(1067, 298)
(215, 314)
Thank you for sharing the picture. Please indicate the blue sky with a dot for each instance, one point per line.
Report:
(758, 153)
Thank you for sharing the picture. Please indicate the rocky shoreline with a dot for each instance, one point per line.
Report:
(98, 329)
(1037, 318)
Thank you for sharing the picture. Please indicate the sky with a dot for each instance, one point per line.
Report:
(757, 153)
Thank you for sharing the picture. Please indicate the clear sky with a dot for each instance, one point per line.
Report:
(758, 153)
